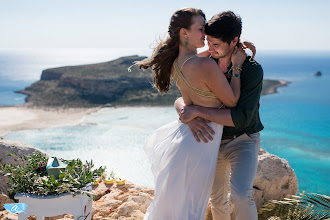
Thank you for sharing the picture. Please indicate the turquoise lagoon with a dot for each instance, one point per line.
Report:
(296, 120)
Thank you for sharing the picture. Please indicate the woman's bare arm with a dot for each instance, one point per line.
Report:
(217, 82)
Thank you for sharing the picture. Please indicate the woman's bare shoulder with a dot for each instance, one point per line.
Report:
(204, 65)
(203, 62)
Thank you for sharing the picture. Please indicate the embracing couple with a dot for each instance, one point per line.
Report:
(214, 146)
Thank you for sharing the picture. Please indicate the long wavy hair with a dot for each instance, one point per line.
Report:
(168, 50)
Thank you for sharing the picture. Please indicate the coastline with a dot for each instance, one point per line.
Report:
(27, 117)
(23, 117)
(271, 86)
(134, 197)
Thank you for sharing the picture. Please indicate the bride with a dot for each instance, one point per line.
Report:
(183, 168)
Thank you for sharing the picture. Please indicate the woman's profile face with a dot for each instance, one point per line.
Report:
(196, 32)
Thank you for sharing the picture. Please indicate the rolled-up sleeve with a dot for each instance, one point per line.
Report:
(248, 103)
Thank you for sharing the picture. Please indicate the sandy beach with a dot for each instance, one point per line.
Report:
(25, 117)
(271, 86)
(21, 117)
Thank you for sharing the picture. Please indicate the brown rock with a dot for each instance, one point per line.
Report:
(126, 202)
(20, 148)
(275, 180)
(4, 198)
(5, 215)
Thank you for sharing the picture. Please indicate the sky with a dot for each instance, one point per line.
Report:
(270, 25)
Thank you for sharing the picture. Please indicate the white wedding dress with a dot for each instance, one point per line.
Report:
(183, 172)
(183, 168)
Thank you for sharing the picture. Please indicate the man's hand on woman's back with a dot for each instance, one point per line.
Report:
(200, 129)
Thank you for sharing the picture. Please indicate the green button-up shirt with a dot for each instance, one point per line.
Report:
(246, 114)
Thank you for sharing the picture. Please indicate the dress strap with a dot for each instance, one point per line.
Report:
(178, 74)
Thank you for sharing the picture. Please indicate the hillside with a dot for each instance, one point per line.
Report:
(108, 83)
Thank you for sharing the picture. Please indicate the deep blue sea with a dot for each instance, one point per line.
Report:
(296, 120)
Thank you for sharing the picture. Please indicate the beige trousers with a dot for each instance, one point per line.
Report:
(236, 169)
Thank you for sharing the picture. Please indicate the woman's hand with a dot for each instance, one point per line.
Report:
(238, 57)
(249, 45)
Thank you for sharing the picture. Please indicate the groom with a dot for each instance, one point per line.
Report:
(238, 153)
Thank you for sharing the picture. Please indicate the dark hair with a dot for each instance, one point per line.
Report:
(225, 26)
(167, 51)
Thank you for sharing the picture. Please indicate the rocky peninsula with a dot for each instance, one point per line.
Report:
(64, 95)
(108, 83)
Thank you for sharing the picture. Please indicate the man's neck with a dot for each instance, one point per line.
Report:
(224, 63)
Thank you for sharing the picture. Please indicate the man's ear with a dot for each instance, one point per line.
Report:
(234, 42)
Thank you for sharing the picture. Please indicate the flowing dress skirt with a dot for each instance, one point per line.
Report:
(183, 171)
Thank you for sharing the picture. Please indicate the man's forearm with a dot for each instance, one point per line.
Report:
(219, 116)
